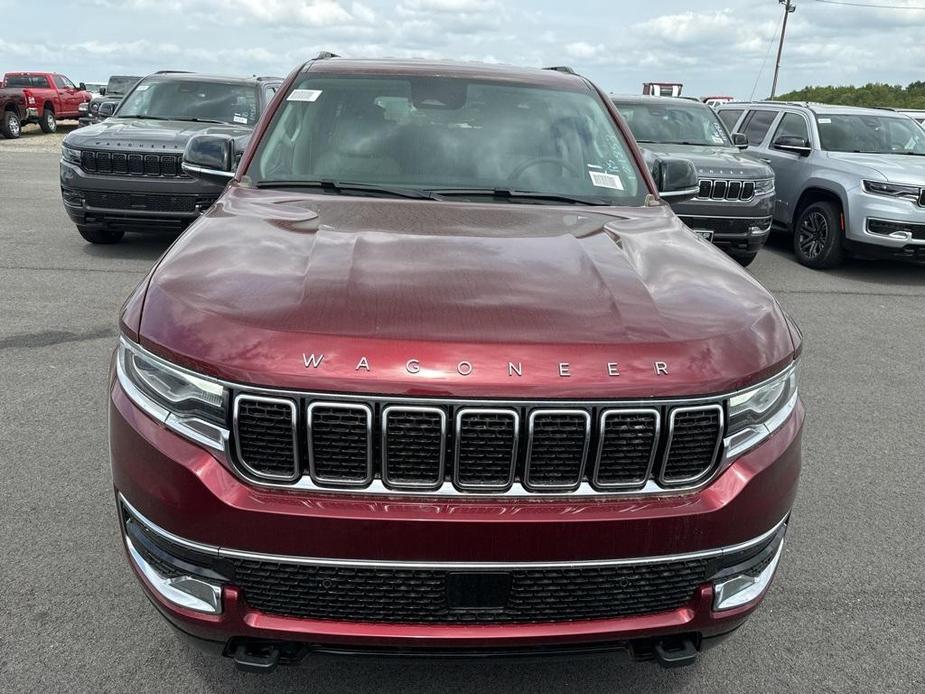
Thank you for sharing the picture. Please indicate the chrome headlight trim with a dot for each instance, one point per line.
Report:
(782, 395)
(901, 191)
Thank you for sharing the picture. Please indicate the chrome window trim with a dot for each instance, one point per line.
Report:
(318, 479)
(294, 409)
(595, 474)
(721, 430)
(542, 412)
(441, 473)
(515, 416)
(229, 553)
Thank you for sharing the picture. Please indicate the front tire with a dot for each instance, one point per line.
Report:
(101, 236)
(817, 237)
(10, 127)
(48, 124)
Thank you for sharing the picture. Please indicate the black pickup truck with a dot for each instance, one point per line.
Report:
(12, 112)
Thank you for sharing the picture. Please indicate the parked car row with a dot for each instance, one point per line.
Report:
(112, 92)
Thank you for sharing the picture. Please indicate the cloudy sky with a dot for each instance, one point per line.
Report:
(717, 48)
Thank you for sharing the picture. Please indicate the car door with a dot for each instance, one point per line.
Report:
(788, 166)
(70, 95)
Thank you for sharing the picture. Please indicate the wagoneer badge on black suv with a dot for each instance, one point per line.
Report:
(124, 174)
(441, 372)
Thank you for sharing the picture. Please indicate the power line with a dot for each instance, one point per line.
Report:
(764, 62)
(915, 8)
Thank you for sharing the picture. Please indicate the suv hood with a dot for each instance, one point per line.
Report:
(896, 168)
(288, 290)
(709, 160)
(122, 133)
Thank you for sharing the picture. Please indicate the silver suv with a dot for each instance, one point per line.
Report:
(848, 179)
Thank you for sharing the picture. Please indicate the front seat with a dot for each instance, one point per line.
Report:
(359, 147)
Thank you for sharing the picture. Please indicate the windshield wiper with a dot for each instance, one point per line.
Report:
(145, 117)
(202, 120)
(515, 196)
(341, 187)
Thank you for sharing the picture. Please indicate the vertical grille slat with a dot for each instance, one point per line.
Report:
(694, 438)
(265, 433)
(340, 444)
(719, 189)
(413, 447)
(557, 444)
(734, 190)
(748, 190)
(627, 444)
(486, 449)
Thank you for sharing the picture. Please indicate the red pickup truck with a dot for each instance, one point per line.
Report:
(47, 96)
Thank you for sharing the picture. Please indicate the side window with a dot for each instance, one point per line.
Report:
(67, 83)
(729, 118)
(41, 82)
(60, 81)
(756, 126)
(792, 125)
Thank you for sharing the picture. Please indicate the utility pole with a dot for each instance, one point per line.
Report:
(789, 8)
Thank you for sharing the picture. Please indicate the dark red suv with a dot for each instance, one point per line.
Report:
(441, 373)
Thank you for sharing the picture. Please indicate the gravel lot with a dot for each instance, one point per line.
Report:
(845, 614)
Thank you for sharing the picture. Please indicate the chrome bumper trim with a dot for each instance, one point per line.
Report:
(185, 591)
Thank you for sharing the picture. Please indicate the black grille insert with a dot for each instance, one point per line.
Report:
(131, 164)
(486, 448)
(413, 446)
(265, 436)
(626, 448)
(340, 443)
(415, 596)
(556, 448)
(695, 434)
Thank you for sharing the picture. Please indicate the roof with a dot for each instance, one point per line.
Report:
(440, 68)
(814, 107)
(650, 99)
(199, 77)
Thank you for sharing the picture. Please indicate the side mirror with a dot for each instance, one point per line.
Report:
(677, 179)
(107, 108)
(210, 157)
(102, 91)
(82, 87)
(793, 144)
(739, 140)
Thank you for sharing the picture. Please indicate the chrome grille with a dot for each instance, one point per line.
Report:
(383, 445)
(722, 189)
(131, 164)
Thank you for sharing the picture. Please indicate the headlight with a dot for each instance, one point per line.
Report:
(764, 186)
(893, 190)
(756, 413)
(82, 108)
(189, 404)
(70, 154)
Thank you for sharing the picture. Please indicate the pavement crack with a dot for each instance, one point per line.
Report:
(47, 338)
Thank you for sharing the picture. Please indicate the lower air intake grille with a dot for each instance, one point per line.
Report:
(486, 449)
(265, 435)
(695, 435)
(340, 443)
(556, 448)
(628, 441)
(141, 201)
(414, 596)
(412, 446)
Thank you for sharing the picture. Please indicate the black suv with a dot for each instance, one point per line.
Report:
(124, 174)
(115, 90)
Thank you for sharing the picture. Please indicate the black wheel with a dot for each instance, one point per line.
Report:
(817, 238)
(48, 124)
(744, 259)
(10, 127)
(95, 235)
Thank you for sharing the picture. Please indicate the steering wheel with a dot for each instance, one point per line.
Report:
(536, 161)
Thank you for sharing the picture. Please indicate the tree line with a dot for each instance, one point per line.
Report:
(873, 94)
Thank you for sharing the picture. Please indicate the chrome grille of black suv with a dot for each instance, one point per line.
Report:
(713, 189)
(410, 596)
(131, 164)
(441, 446)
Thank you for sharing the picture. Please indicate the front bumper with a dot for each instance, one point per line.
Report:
(880, 226)
(185, 499)
(739, 227)
(133, 203)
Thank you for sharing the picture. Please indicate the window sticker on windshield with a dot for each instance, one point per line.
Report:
(606, 180)
(304, 95)
(142, 87)
(240, 119)
(825, 121)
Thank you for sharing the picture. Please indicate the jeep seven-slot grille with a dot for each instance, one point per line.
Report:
(414, 596)
(477, 448)
(713, 189)
(131, 164)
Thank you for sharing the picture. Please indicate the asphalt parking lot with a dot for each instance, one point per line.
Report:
(846, 612)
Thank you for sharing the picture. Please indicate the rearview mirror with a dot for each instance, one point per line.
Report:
(82, 87)
(739, 140)
(102, 91)
(676, 178)
(793, 144)
(107, 108)
(210, 157)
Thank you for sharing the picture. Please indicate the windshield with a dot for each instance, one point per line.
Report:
(673, 123)
(194, 100)
(448, 135)
(870, 134)
(120, 85)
